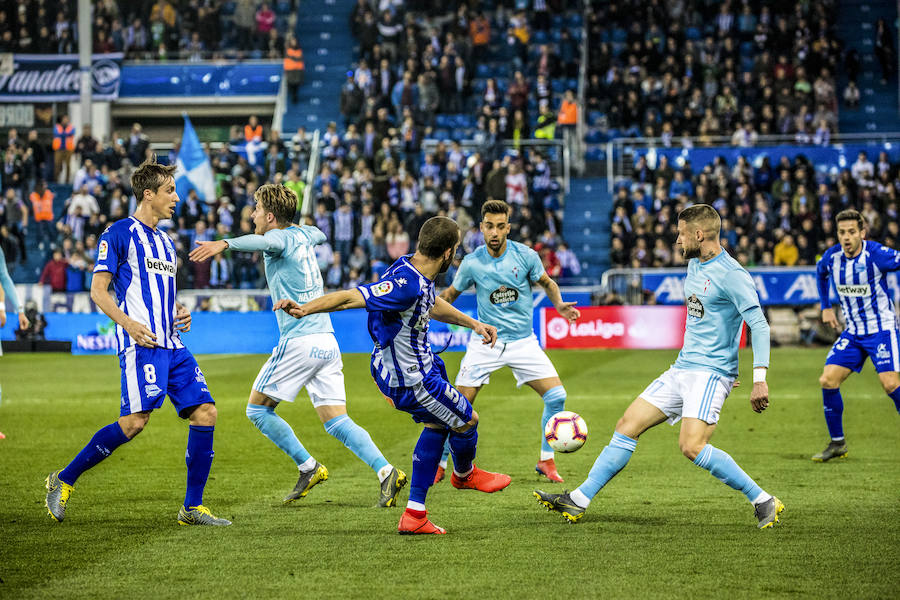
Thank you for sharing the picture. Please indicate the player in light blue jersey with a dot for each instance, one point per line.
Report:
(720, 297)
(139, 260)
(307, 354)
(406, 371)
(502, 272)
(857, 268)
(8, 290)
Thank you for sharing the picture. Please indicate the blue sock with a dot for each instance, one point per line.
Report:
(554, 401)
(101, 445)
(357, 440)
(834, 412)
(612, 460)
(277, 429)
(425, 462)
(198, 457)
(895, 396)
(721, 466)
(463, 447)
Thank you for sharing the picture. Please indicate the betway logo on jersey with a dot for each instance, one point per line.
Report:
(854, 291)
(159, 266)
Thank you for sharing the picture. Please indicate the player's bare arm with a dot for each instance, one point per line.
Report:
(139, 332)
(450, 294)
(206, 250)
(565, 309)
(444, 312)
(333, 302)
(829, 317)
(182, 318)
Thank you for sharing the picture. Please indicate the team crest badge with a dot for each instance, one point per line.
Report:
(382, 288)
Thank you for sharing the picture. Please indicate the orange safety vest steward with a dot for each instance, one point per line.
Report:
(63, 137)
(43, 205)
(568, 113)
(251, 133)
(293, 59)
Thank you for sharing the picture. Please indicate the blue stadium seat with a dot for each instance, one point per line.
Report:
(595, 153)
(539, 37)
(558, 85)
(557, 21)
(572, 84)
(440, 134)
(483, 70)
(283, 7)
(443, 120)
(575, 20)
(228, 8)
(619, 35)
(692, 33)
(747, 49)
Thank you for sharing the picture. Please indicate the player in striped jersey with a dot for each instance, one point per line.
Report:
(307, 354)
(857, 268)
(406, 371)
(139, 260)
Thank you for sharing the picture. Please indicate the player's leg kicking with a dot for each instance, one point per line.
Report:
(314, 362)
(695, 396)
(148, 374)
(847, 355)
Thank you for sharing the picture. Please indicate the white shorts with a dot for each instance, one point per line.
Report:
(311, 361)
(681, 393)
(525, 357)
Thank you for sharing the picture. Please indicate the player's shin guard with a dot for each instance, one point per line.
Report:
(357, 440)
(895, 396)
(463, 445)
(721, 466)
(834, 412)
(612, 460)
(199, 457)
(425, 462)
(278, 431)
(101, 445)
(554, 401)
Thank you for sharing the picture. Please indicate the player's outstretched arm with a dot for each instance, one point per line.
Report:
(565, 309)
(272, 241)
(332, 302)
(823, 282)
(450, 294)
(139, 332)
(444, 312)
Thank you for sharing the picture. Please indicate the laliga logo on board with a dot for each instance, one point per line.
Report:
(558, 328)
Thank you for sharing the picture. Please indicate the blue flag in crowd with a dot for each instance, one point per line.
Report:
(194, 169)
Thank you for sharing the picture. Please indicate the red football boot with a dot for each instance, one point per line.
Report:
(483, 481)
(410, 524)
(547, 468)
(438, 476)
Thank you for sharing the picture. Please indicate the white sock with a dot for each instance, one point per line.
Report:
(415, 505)
(443, 464)
(840, 439)
(463, 475)
(384, 472)
(763, 497)
(579, 499)
(308, 465)
(546, 455)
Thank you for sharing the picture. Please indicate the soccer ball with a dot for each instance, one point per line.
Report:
(566, 431)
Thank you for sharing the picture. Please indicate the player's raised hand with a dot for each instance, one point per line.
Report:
(141, 334)
(829, 317)
(488, 333)
(182, 319)
(759, 396)
(568, 310)
(206, 250)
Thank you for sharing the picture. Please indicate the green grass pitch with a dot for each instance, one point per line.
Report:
(663, 528)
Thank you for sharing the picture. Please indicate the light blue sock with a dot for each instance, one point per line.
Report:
(612, 460)
(554, 401)
(357, 441)
(277, 429)
(445, 454)
(721, 466)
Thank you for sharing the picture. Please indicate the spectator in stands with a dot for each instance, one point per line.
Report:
(54, 272)
(863, 171)
(63, 147)
(42, 209)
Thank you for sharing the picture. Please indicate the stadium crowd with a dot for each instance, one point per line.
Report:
(772, 215)
(690, 71)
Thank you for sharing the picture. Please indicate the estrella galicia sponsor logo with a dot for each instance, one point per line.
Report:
(152, 390)
(504, 295)
(695, 308)
(854, 291)
(159, 266)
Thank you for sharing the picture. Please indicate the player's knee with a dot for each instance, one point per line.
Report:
(890, 384)
(828, 381)
(690, 448)
(204, 415)
(133, 424)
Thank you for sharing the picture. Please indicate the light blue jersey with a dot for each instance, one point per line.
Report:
(503, 287)
(720, 296)
(292, 273)
(9, 290)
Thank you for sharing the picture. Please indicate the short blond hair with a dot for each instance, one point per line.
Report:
(278, 200)
(703, 216)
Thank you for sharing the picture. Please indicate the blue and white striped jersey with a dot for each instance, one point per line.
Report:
(861, 286)
(142, 263)
(399, 307)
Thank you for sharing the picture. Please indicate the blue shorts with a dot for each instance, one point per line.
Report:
(433, 400)
(850, 351)
(148, 374)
